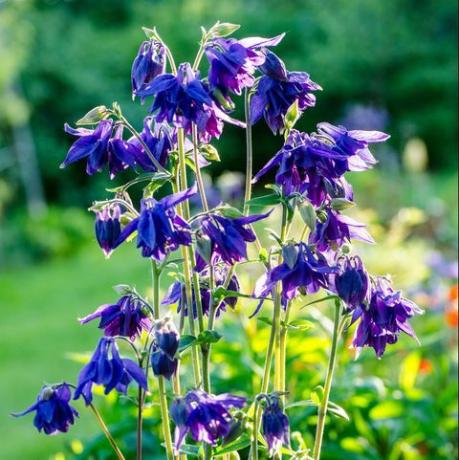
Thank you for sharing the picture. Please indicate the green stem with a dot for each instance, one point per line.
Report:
(249, 153)
(200, 182)
(328, 384)
(139, 424)
(283, 351)
(161, 384)
(109, 437)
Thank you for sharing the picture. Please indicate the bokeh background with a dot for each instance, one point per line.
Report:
(387, 65)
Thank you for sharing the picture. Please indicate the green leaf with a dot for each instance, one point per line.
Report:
(409, 371)
(94, 116)
(300, 324)
(292, 116)
(265, 200)
(317, 394)
(207, 337)
(239, 444)
(188, 449)
(338, 411)
(386, 409)
(339, 204)
(223, 29)
(304, 403)
(152, 177)
(185, 342)
(150, 33)
(308, 214)
(230, 212)
(265, 320)
(209, 152)
(323, 299)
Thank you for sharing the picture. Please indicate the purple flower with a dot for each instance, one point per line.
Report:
(385, 317)
(277, 90)
(337, 229)
(148, 64)
(158, 137)
(276, 430)
(233, 62)
(308, 166)
(163, 360)
(204, 416)
(127, 318)
(229, 236)
(301, 272)
(53, 413)
(176, 293)
(108, 228)
(352, 282)
(352, 144)
(160, 230)
(107, 368)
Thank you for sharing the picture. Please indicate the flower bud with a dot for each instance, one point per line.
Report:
(352, 282)
(108, 228)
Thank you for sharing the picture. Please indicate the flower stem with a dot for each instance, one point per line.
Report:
(161, 384)
(283, 351)
(328, 383)
(139, 424)
(109, 437)
(249, 153)
(201, 188)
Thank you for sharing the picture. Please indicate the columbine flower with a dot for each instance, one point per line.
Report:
(275, 425)
(301, 272)
(353, 144)
(92, 144)
(158, 138)
(108, 228)
(127, 317)
(233, 62)
(337, 229)
(277, 90)
(53, 413)
(204, 416)
(229, 236)
(308, 166)
(163, 360)
(352, 282)
(160, 229)
(384, 318)
(107, 368)
(176, 293)
(148, 64)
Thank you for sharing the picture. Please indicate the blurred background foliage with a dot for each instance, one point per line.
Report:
(383, 65)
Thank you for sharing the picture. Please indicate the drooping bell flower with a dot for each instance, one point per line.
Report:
(160, 230)
(275, 424)
(232, 62)
(385, 317)
(120, 153)
(352, 282)
(229, 236)
(301, 271)
(277, 90)
(163, 360)
(204, 416)
(308, 166)
(353, 144)
(107, 368)
(148, 64)
(158, 137)
(177, 295)
(127, 317)
(108, 228)
(92, 145)
(337, 229)
(53, 412)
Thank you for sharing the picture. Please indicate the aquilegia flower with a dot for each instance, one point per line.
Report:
(177, 295)
(148, 64)
(229, 236)
(160, 229)
(127, 317)
(352, 144)
(53, 413)
(108, 228)
(232, 62)
(204, 416)
(337, 229)
(385, 317)
(276, 430)
(301, 272)
(352, 282)
(277, 90)
(308, 166)
(163, 360)
(107, 368)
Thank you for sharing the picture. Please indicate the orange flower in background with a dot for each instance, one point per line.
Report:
(425, 367)
(451, 313)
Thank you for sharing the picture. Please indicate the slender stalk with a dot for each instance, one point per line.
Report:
(161, 384)
(109, 437)
(249, 153)
(201, 188)
(283, 351)
(328, 384)
(140, 423)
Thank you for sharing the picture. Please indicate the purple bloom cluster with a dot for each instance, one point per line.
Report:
(53, 412)
(204, 416)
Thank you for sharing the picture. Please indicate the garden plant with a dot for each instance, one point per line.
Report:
(162, 339)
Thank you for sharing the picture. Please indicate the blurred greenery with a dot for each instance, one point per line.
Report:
(384, 65)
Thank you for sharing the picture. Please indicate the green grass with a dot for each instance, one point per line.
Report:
(40, 307)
